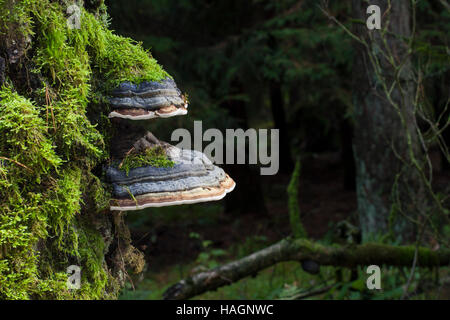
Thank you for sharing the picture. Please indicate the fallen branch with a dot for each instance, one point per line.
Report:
(301, 250)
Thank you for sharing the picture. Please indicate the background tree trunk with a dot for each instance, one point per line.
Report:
(378, 128)
(279, 119)
(347, 155)
(248, 195)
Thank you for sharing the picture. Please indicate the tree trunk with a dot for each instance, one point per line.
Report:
(248, 195)
(379, 129)
(53, 209)
(441, 100)
(347, 157)
(279, 118)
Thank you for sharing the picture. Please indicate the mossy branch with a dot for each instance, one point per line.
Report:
(300, 250)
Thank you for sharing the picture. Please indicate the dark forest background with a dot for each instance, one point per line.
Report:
(268, 64)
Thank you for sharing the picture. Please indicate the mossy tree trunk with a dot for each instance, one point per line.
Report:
(54, 140)
(384, 145)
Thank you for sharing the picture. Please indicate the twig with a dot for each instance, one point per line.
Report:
(126, 155)
(312, 293)
(411, 275)
(49, 104)
(16, 162)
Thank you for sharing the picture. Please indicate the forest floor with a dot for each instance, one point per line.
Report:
(180, 240)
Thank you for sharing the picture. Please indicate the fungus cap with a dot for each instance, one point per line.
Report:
(147, 100)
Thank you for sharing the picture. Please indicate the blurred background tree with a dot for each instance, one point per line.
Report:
(284, 64)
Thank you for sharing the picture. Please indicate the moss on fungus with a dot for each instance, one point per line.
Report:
(155, 157)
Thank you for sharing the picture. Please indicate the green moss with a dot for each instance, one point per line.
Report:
(49, 146)
(155, 157)
(121, 59)
(16, 18)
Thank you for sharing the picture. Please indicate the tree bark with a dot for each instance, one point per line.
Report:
(379, 129)
(279, 118)
(100, 235)
(304, 250)
(248, 194)
(347, 157)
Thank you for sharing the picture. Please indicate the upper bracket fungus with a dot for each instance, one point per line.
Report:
(147, 100)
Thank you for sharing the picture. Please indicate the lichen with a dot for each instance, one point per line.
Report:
(53, 134)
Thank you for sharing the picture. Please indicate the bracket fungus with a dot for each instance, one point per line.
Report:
(147, 172)
(186, 177)
(147, 100)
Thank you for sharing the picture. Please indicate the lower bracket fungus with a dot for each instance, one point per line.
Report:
(157, 174)
(147, 100)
